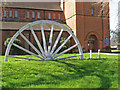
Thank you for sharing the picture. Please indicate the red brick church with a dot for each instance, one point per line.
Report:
(89, 23)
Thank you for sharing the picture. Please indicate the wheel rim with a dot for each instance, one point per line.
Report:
(45, 52)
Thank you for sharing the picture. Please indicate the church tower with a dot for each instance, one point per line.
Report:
(89, 23)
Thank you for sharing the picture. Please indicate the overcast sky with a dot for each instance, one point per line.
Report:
(113, 14)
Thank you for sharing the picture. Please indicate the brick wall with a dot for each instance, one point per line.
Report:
(84, 24)
(30, 37)
(22, 14)
(4, 37)
(78, 17)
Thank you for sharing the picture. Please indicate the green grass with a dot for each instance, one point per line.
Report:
(69, 73)
(115, 51)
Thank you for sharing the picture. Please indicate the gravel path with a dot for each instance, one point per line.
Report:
(106, 53)
(110, 54)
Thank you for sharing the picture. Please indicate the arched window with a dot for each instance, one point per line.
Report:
(92, 12)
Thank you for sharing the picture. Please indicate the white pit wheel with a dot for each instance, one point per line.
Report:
(47, 49)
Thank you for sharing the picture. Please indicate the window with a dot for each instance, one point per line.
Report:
(54, 16)
(33, 14)
(28, 14)
(16, 14)
(49, 16)
(10, 13)
(38, 15)
(59, 16)
(5, 13)
(92, 13)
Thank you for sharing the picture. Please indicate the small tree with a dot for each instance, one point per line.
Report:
(118, 38)
(14, 50)
(117, 33)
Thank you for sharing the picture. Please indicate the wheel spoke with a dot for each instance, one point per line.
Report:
(58, 38)
(24, 58)
(68, 57)
(66, 50)
(50, 39)
(48, 49)
(43, 37)
(30, 44)
(36, 39)
(26, 50)
(62, 45)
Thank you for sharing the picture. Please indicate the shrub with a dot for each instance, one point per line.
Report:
(107, 49)
(14, 50)
(66, 45)
(83, 49)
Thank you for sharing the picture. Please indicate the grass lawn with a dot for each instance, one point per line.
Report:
(69, 73)
(116, 51)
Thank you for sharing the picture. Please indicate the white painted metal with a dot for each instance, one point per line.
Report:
(44, 40)
(90, 54)
(36, 39)
(68, 57)
(56, 42)
(12, 40)
(51, 53)
(99, 53)
(81, 56)
(66, 50)
(30, 44)
(50, 39)
(26, 50)
(62, 45)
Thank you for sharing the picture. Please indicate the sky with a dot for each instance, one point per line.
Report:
(113, 14)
